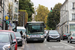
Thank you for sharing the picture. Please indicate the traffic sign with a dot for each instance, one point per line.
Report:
(7, 22)
(6, 18)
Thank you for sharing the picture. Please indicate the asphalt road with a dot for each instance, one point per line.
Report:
(52, 45)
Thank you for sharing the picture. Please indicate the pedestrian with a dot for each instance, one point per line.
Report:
(21, 33)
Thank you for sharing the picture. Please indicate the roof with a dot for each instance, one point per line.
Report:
(64, 3)
(4, 33)
(20, 27)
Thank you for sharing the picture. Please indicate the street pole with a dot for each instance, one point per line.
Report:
(23, 19)
(3, 23)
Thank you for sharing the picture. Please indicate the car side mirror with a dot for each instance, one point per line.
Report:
(13, 42)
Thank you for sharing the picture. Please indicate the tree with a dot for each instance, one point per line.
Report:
(10, 10)
(54, 17)
(23, 14)
(28, 6)
(42, 13)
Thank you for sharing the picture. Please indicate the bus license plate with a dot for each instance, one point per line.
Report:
(35, 36)
(35, 39)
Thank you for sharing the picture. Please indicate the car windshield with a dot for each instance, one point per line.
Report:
(23, 30)
(4, 38)
(12, 34)
(53, 32)
(35, 28)
(67, 34)
(73, 34)
(17, 34)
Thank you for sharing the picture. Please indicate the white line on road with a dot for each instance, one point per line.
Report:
(67, 45)
(49, 48)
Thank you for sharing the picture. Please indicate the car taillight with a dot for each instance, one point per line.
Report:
(71, 37)
(64, 35)
(15, 44)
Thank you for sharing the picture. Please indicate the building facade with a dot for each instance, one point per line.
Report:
(3, 10)
(15, 8)
(67, 17)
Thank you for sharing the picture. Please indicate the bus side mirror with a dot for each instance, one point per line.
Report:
(25, 26)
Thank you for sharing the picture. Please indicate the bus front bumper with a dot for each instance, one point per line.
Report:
(35, 39)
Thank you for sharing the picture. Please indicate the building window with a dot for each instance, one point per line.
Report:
(72, 27)
(73, 5)
(73, 16)
(16, 10)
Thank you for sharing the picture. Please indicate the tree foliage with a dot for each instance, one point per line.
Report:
(42, 13)
(54, 17)
(23, 15)
(10, 10)
(26, 5)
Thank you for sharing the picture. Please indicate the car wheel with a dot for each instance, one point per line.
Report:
(27, 41)
(70, 41)
(59, 40)
(63, 38)
(47, 40)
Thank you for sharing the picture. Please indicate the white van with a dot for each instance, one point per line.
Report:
(20, 28)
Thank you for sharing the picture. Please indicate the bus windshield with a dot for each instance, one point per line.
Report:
(35, 29)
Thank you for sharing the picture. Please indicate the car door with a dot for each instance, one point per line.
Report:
(11, 43)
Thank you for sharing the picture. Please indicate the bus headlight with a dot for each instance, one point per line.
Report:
(28, 36)
(42, 36)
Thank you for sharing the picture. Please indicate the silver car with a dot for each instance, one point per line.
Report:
(71, 38)
(6, 41)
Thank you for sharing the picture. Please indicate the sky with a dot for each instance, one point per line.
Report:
(47, 3)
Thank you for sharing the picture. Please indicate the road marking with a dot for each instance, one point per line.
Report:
(67, 45)
(49, 48)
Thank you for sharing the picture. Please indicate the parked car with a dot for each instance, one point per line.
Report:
(66, 35)
(53, 35)
(13, 35)
(71, 38)
(46, 32)
(19, 38)
(6, 41)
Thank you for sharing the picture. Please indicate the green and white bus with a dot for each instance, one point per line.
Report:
(35, 31)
